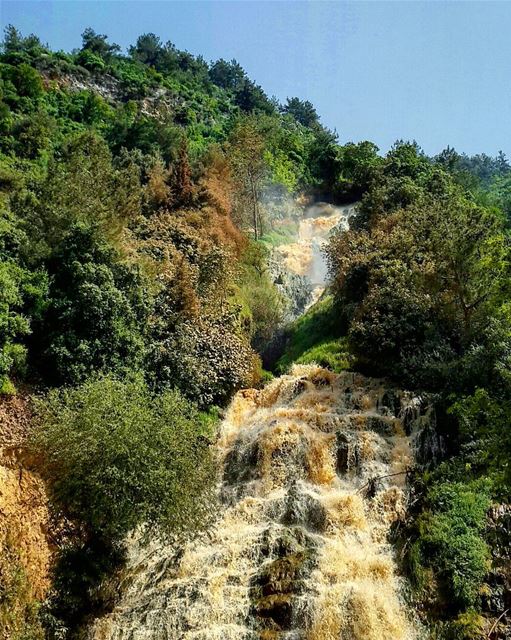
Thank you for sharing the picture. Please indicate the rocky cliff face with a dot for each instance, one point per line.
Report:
(26, 547)
(160, 102)
(296, 289)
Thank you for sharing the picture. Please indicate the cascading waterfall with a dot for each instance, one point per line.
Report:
(304, 257)
(299, 550)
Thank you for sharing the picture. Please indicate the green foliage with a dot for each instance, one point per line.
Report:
(203, 360)
(467, 626)
(314, 333)
(90, 60)
(16, 47)
(22, 297)
(332, 354)
(420, 285)
(484, 432)
(359, 165)
(116, 457)
(97, 310)
(98, 44)
(259, 296)
(323, 161)
(85, 580)
(26, 80)
(82, 187)
(13, 324)
(302, 111)
(473, 171)
(32, 135)
(280, 235)
(78, 171)
(450, 540)
(228, 75)
(500, 193)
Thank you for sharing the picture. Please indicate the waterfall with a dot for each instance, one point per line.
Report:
(304, 256)
(299, 549)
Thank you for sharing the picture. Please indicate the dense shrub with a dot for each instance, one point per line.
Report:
(485, 438)
(90, 60)
(450, 541)
(97, 310)
(419, 285)
(207, 361)
(265, 306)
(116, 457)
(22, 300)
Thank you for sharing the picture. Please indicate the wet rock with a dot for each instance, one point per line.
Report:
(305, 510)
(274, 589)
(409, 416)
(391, 401)
(322, 379)
(277, 611)
(381, 425)
(347, 453)
(279, 543)
(299, 386)
(295, 288)
(429, 445)
(279, 577)
(241, 463)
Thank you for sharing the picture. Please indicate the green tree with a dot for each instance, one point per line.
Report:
(249, 170)
(27, 81)
(116, 458)
(205, 359)
(22, 300)
(359, 163)
(302, 111)
(90, 60)
(228, 75)
(97, 312)
(21, 293)
(148, 49)
(98, 44)
(82, 187)
(420, 282)
(323, 161)
(17, 48)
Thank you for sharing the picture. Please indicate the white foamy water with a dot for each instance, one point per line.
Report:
(299, 550)
(305, 257)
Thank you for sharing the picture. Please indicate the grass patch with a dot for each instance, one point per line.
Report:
(285, 234)
(315, 337)
(332, 354)
(451, 545)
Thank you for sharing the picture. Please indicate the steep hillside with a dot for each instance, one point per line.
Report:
(160, 236)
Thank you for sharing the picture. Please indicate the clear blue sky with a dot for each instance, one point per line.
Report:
(437, 72)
